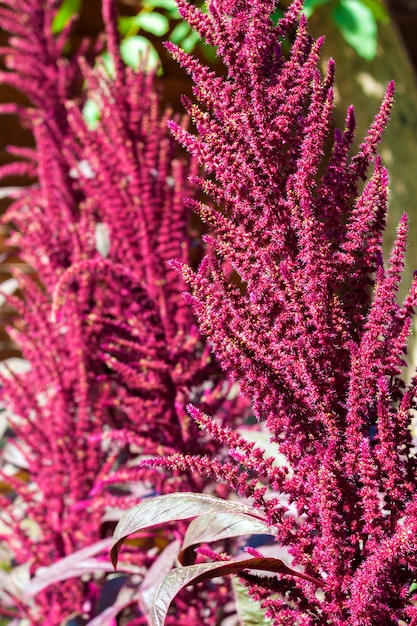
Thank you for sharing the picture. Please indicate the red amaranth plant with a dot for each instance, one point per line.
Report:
(301, 310)
(114, 351)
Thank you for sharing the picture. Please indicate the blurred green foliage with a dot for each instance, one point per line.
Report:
(357, 20)
(67, 10)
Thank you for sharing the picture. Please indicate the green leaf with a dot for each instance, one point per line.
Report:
(170, 6)
(189, 43)
(217, 526)
(276, 15)
(413, 587)
(91, 114)
(154, 23)
(379, 10)
(179, 33)
(169, 508)
(125, 24)
(67, 9)
(181, 577)
(210, 52)
(358, 27)
(311, 5)
(136, 49)
(249, 611)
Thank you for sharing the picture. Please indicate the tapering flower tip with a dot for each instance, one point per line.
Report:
(183, 137)
(390, 91)
(381, 119)
(403, 224)
(350, 121)
(209, 240)
(187, 104)
(398, 253)
(290, 18)
(10, 108)
(110, 20)
(198, 417)
(387, 104)
(199, 21)
(331, 67)
(302, 25)
(402, 234)
(175, 264)
(190, 203)
(182, 268)
(173, 126)
(196, 181)
(172, 48)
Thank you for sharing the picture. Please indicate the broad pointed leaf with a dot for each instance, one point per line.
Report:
(73, 565)
(154, 23)
(180, 32)
(358, 27)
(181, 577)
(154, 576)
(218, 526)
(188, 44)
(52, 574)
(169, 508)
(170, 6)
(136, 48)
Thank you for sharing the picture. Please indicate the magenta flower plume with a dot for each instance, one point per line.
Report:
(301, 310)
(114, 351)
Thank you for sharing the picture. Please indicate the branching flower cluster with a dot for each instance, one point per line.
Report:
(301, 309)
(114, 351)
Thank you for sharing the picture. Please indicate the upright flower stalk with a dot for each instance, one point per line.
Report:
(300, 308)
(114, 351)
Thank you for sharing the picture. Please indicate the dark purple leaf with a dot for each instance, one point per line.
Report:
(180, 577)
(73, 566)
(218, 526)
(154, 576)
(174, 506)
